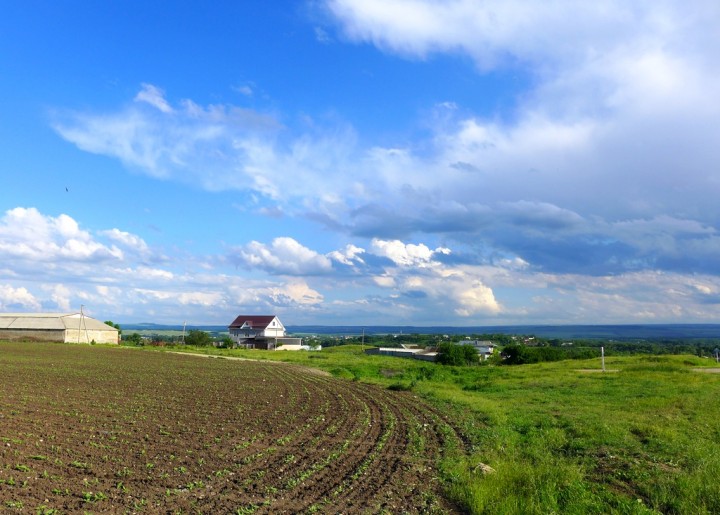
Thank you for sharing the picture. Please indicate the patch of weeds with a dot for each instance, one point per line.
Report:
(123, 472)
(400, 386)
(223, 472)
(195, 484)
(283, 440)
(94, 496)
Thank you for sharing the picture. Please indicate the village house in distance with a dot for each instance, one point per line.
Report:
(262, 332)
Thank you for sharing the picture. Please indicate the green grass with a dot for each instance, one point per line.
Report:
(641, 439)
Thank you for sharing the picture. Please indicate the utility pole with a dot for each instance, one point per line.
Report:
(80, 322)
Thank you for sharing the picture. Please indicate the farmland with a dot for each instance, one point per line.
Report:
(102, 429)
(90, 428)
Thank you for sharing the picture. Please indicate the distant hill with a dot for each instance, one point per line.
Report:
(170, 327)
(619, 332)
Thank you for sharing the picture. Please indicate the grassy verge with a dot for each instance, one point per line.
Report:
(562, 437)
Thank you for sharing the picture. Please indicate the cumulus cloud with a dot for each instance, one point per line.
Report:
(350, 255)
(26, 234)
(60, 296)
(17, 299)
(564, 32)
(618, 125)
(406, 254)
(418, 274)
(128, 241)
(411, 271)
(283, 256)
(296, 293)
(393, 281)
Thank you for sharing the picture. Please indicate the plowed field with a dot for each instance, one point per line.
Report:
(101, 429)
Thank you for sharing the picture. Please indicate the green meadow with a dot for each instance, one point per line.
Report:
(562, 437)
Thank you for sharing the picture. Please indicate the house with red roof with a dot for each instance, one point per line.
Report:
(261, 332)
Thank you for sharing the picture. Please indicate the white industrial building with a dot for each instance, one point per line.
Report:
(56, 327)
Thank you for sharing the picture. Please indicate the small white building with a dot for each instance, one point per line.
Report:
(56, 327)
(484, 348)
(405, 351)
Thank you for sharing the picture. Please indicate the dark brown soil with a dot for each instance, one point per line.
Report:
(91, 429)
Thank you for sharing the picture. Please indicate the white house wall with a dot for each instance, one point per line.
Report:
(87, 336)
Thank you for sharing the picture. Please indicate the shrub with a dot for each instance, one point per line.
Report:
(454, 354)
(198, 338)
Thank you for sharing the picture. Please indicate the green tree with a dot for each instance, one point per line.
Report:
(517, 355)
(225, 342)
(198, 338)
(134, 339)
(454, 354)
(116, 326)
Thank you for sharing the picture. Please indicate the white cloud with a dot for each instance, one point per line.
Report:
(622, 98)
(26, 234)
(155, 97)
(17, 299)
(560, 33)
(403, 254)
(200, 298)
(283, 256)
(61, 295)
(201, 145)
(298, 293)
(417, 274)
(350, 255)
(127, 240)
(475, 298)
(246, 90)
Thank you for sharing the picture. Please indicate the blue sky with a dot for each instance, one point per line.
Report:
(362, 162)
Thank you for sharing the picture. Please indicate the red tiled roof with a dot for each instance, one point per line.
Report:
(258, 322)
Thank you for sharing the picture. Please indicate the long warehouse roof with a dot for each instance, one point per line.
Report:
(51, 321)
